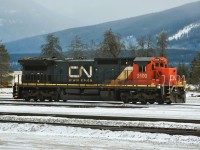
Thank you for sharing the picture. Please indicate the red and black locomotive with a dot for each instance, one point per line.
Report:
(140, 79)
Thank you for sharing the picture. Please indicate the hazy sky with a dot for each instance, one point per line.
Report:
(97, 11)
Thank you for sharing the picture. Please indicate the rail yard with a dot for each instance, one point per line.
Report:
(149, 125)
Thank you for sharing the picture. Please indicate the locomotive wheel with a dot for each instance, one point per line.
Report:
(57, 98)
(50, 99)
(41, 98)
(151, 102)
(160, 102)
(144, 102)
(168, 102)
(181, 98)
(27, 99)
(35, 99)
(124, 98)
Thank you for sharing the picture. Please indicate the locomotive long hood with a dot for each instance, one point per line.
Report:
(36, 61)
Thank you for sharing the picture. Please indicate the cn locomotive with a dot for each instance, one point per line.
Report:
(139, 79)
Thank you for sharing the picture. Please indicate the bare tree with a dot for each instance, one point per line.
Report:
(133, 50)
(149, 43)
(141, 44)
(77, 48)
(92, 48)
(162, 43)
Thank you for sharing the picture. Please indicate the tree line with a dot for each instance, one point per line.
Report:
(111, 46)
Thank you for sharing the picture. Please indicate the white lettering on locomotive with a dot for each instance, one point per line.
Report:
(80, 69)
(157, 59)
(142, 75)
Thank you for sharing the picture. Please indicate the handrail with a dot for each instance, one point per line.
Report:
(163, 84)
(183, 80)
(170, 82)
(178, 79)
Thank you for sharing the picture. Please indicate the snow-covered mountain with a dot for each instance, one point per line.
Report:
(25, 18)
(185, 32)
(187, 37)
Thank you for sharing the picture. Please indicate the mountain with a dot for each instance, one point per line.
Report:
(26, 18)
(181, 23)
(187, 37)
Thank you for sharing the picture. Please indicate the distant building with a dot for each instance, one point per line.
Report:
(17, 77)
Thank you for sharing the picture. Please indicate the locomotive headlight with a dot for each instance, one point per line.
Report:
(158, 86)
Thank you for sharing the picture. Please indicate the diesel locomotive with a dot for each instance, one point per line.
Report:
(139, 79)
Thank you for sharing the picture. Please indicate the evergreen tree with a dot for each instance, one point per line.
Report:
(52, 48)
(182, 69)
(162, 43)
(111, 45)
(4, 65)
(195, 71)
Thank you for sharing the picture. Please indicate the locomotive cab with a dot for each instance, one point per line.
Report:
(142, 71)
(154, 72)
(162, 74)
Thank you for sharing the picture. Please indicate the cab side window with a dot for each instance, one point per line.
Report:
(157, 64)
(142, 69)
(152, 67)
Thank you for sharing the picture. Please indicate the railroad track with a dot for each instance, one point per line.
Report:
(101, 121)
(74, 104)
(86, 104)
(113, 123)
(7, 100)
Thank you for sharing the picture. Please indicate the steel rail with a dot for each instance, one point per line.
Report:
(74, 105)
(190, 132)
(98, 117)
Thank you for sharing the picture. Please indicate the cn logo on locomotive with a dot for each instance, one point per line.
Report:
(79, 70)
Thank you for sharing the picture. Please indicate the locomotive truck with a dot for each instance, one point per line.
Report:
(139, 79)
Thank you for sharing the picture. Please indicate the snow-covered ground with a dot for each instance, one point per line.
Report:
(36, 136)
(31, 136)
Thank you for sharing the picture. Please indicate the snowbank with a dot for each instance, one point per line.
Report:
(6, 91)
(33, 129)
(72, 121)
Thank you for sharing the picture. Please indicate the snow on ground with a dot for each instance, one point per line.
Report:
(72, 121)
(157, 111)
(36, 136)
(4, 91)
